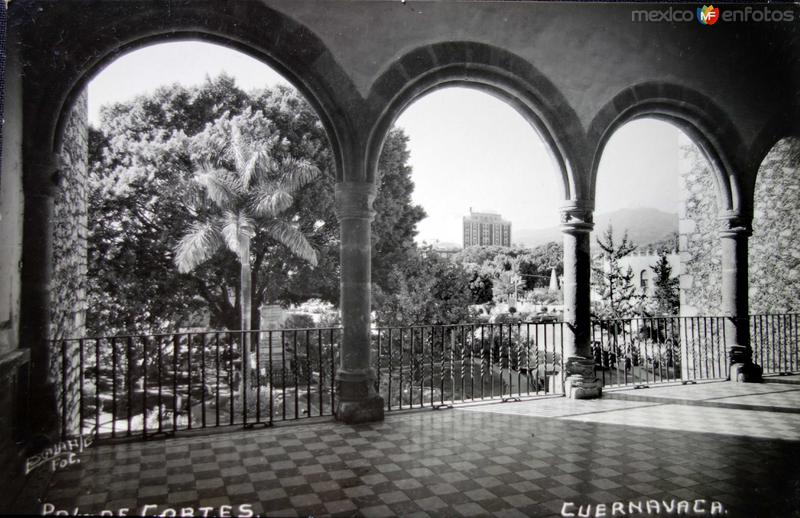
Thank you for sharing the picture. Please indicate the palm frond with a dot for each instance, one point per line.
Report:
(249, 172)
(222, 187)
(295, 173)
(270, 200)
(201, 242)
(291, 237)
(236, 228)
(238, 147)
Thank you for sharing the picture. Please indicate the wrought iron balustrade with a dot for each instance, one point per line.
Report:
(149, 385)
(159, 384)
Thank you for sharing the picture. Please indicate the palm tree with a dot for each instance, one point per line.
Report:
(250, 186)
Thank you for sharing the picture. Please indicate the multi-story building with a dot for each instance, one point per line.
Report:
(486, 228)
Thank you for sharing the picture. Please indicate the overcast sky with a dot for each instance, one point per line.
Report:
(468, 149)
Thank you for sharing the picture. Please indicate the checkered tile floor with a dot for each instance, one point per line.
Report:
(512, 459)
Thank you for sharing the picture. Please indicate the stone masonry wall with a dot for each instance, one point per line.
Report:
(775, 245)
(774, 256)
(698, 229)
(68, 287)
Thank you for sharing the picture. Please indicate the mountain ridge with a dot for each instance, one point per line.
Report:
(644, 225)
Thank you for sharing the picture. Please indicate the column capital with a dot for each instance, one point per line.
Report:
(577, 216)
(354, 200)
(733, 224)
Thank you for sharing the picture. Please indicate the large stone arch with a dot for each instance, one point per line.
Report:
(262, 33)
(694, 114)
(489, 69)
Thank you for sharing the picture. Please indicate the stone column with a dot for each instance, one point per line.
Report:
(358, 400)
(735, 304)
(576, 224)
(41, 172)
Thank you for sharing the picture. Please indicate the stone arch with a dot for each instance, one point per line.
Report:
(694, 114)
(491, 70)
(261, 33)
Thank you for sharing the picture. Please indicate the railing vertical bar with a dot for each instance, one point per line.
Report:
(308, 373)
(129, 366)
(725, 360)
(490, 363)
(423, 343)
(333, 374)
(452, 367)
(243, 336)
(81, 379)
(432, 338)
(462, 351)
(391, 373)
(160, 359)
(175, 352)
(400, 379)
(203, 345)
(97, 388)
(322, 373)
(231, 349)
(216, 380)
(189, 370)
(271, 378)
(472, 362)
(283, 374)
(63, 390)
(255, 338)
(483, 360)
(144, 386)
(562, 360)
(113, 386)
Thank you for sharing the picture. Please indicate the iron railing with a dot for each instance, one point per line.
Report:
(150, 385)
(775, 340)
(438, 366)
(640, 352)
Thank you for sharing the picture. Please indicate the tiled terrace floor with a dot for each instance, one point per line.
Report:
(738, 445)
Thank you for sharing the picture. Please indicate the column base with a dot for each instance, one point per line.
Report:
(358, 402)
(364, 411)
(581, 382)
(743, 370)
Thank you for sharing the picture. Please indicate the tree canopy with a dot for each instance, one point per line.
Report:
(143, 196)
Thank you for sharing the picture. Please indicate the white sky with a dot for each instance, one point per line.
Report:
(468, 149)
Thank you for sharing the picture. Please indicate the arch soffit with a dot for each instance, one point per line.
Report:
(491, 70)
(704, 122)
(296, 53)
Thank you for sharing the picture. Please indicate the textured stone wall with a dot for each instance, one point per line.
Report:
(698, 229)
(775, 245)
(68, 287)
(774, 258)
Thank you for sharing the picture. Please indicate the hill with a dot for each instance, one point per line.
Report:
(645, 226)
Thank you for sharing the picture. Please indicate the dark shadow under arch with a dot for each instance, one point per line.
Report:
(266, 35)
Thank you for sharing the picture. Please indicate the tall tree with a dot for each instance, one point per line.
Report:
(615, 285)
(249, 183)
(666, 296)
(141, 198)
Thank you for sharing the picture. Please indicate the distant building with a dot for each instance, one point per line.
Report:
(486, 228)
(641, 263)
(446, 250)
